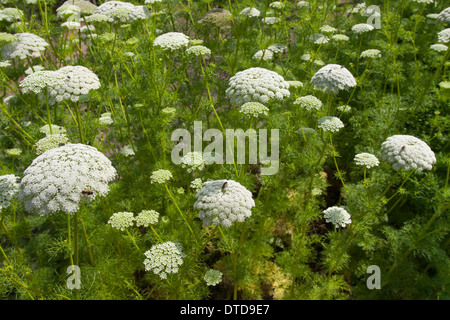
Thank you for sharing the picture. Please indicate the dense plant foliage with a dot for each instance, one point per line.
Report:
(92, 93)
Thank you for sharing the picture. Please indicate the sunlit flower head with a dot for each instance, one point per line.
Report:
(444, 35)
(257, 84)
(9, 189)
(160, 176)
(121, 220)
(308, 102)
(254, 109)
(213, 277)
(250, 12)
(339, 217)
(367, 160)
(222, 202)
(333, 77)
(171, 41)
(27, 45)
(407, 152)
(330, 124)
(49, 142)
(147, 218)
(56, 180)
(164, 258)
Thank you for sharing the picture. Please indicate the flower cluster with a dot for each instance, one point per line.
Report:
(361, 28)
(49, 142)
(127, 150)
(27, 45)
(254, 109)
(55, 129)
(444, 35)
(340, 37)
(105, 118)
(164, 258)
(146, 218)
(367, 160)
(78, 81)
(333, 77)
(115, 9)
(67, 83)
(56, 179)
(308, 102)
(221, 202)
(198, 50)
(213, 277)
(339, 217)
(193, 161)
(121, 220)
(9, 188)
(371, 53)
(407, 152)
(250, 12)
(439, 47)
(160, 176)
(85, 7)
(196, 184)
(171, 41)
(14, 152)
(330, 124)
(257, 84)
(265, 55)
(220, 18)
(37, 81)
(444, 16)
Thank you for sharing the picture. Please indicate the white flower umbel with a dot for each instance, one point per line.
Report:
(361, 28)
(193, 161)
(127, 151)
(340, 37)
(444, 35)
(213, 277)
(371, 54)
(367, 160)
(86, 7)
(9, 188)
(196, 184)
(49, 142)
(339, 217)
(27, 45)
(439, 47)
(171, 41)
(407, 152)
(330, 124)
(333, 77)
(121, 220)
(33, 69)
(265, 55)
(160, 176)
(257, 84)
(56, 180)
(250, 12)
(146, 218)
(254, 109)
(105, 119)
(55, 129)
(222, 202)
(164, 258)
(139, 13)
(109, 7)
(38, 81)
(444, 16)
(308, 102)
(78, 81)
(198, 51)
(277, 48)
